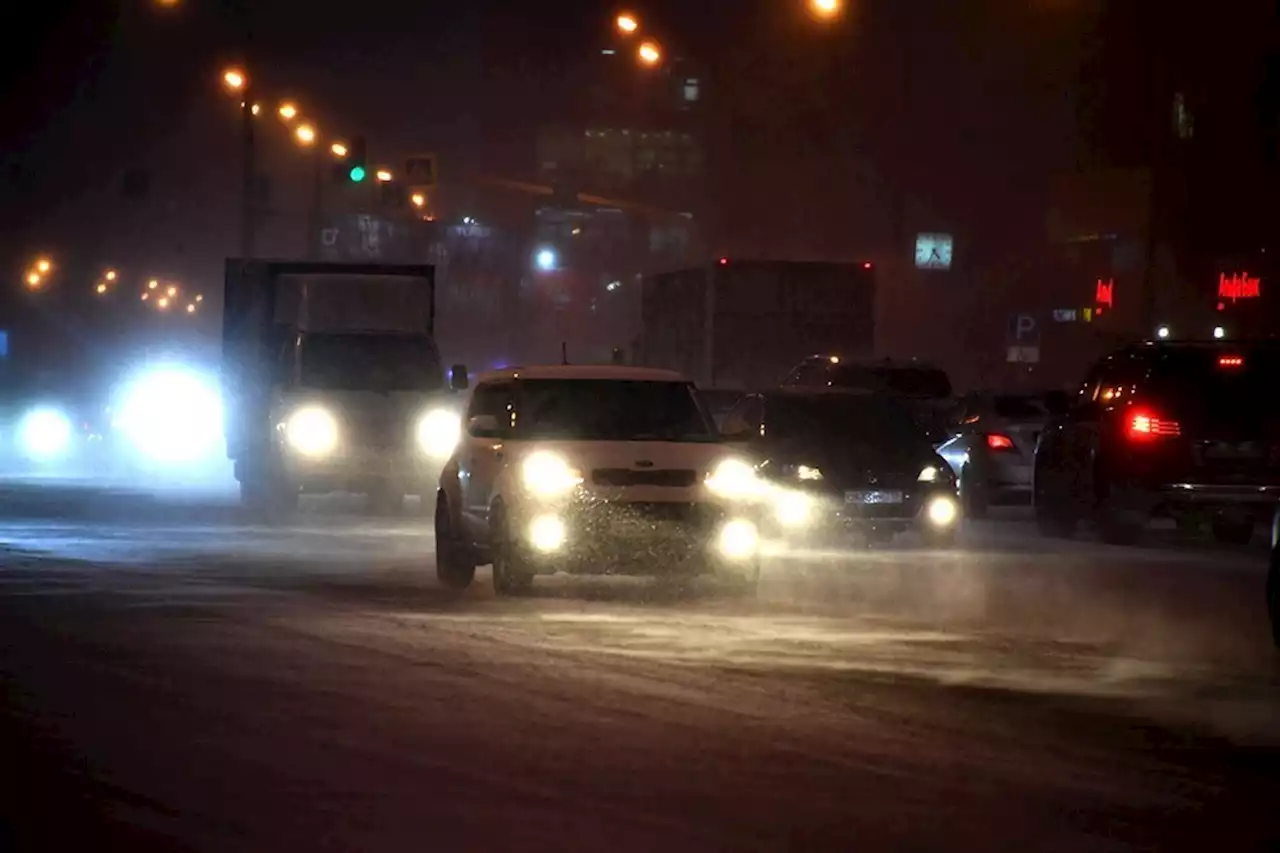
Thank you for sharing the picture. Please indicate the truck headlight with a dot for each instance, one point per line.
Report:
(548, 475)
(44, 433)
(733, 478)
(439, 432)
(312, 431)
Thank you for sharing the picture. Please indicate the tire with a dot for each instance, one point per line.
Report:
(269, 497)
(455, 567)
(511, 575)
(973, 498)
(1233, 532)
(1054, 518)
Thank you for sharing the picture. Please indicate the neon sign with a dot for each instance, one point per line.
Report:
(1239, 286)
(1104, 294)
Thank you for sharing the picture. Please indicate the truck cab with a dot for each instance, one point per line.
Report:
(334, 383)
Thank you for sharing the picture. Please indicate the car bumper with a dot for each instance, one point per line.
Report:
(635, 538)
(1181, 498)
(803, 514)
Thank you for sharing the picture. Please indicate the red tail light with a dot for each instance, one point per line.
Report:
(1230, 361)
(1142, 425)
(999, 442)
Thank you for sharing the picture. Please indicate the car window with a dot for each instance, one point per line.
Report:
(611, 410)
(1225, 384)
(493, 398)
(875, 419)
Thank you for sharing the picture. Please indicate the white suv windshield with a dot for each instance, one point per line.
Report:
(610, 410)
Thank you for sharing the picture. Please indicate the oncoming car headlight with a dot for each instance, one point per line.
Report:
(733, 478)
(44, 433)
(172, 414)
(929, 474)
(548, 475)
(439, 432)
(312, 431)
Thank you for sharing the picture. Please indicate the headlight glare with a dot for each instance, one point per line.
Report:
(929, 474)
(44, 433)
(806, 472)
(548, 475)
(733, 478)
(312, 431)
(439, 432)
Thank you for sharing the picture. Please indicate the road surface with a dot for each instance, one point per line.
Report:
(176, 678)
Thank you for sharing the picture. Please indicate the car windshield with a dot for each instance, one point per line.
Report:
(1222, 382)
(611, 410)
(923, 382)
(1019, 408)
(874, 420)
(370, 362)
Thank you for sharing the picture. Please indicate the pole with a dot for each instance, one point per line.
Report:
(248, 152)
(315, 209)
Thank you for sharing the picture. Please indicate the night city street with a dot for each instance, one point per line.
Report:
(175, 679)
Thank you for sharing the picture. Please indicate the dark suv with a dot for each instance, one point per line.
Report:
(1185, 430)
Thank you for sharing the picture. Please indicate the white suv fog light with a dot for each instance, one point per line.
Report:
(547, 534)
(739, 539)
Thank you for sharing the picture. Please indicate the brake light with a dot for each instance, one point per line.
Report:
(999, 442)
(1230, 361)
(1146, 425)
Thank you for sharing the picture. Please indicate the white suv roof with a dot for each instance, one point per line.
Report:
(583, 372)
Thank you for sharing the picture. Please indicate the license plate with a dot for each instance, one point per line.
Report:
(873, 497)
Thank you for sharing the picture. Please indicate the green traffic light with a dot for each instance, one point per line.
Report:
(357, 173)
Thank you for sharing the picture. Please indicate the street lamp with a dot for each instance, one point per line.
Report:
(546, 259)
(109, 275)
(172, 291)
(102, 288)
(306, 134)
(288, 111)
(825, 9)
(418, 200)
(163, 303)
(627, 24)
(383, 175)
(153, 284)
(191, 309)
(33, 279)
(43, 265)
(234, 79)
(649, 53)
(339, 150)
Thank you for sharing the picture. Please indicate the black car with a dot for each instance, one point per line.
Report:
(838, 461)
(924, 389)
(1183, 430)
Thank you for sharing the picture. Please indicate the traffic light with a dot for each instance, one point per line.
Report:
(353, 167)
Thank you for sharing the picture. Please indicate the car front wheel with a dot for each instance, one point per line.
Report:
(511, 573)
(455, 567)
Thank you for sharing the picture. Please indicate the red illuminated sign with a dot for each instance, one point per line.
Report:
(1239, 286)
(1104, 294)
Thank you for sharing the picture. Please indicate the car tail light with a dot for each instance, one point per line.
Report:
(1142, 425)
(1230, 361)
(999, 442)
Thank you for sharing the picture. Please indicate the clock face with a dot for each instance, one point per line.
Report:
(933, 251)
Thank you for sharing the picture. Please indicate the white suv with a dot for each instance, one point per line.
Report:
(592, 470)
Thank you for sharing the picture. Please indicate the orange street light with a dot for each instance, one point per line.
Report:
(102, 288)
(383, 175)
(306, 134)
(650, 53)
(825, 9)
(288, 111)
(172, 291)
(418, 200)
(338, 150)
(33, 279)
(234, 79)
(145, 296)
(199, 298)
(43, 265)
(109, 275)
(627, 24)
(163, 303)
(153, 284)
(191, 309)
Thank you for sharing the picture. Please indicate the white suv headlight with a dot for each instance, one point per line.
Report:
(312, 431)
(733, 478)
(439, 432)
(548, 475)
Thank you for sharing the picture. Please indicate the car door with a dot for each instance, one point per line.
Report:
(482, 454)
